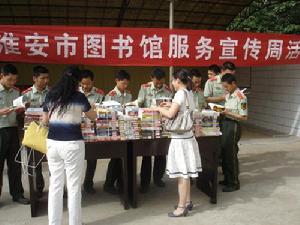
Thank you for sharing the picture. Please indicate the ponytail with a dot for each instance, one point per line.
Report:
(185, 77)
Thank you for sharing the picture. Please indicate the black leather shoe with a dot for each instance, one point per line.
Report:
(111, 190)
(40, 194)
(183, 214)
(89, 189)
(160, 183)
(231, 188)
(22, 200)
(223, 182)
(144, 189)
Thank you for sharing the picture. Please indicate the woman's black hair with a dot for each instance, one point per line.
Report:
(185, 77)
(60, 95)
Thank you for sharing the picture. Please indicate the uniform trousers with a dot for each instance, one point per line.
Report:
(9, 146)
(231, 134)
(90, 172)
(114, 174)
(159, 169)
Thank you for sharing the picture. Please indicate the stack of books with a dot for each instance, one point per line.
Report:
(132, 111)
(130, 127)
(107, 128)
(151, 124)
(197, 116)
(210, 123)
(88, 129)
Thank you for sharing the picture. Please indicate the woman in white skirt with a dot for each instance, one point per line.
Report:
(183, 158)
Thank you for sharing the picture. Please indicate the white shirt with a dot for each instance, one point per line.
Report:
(180, 99)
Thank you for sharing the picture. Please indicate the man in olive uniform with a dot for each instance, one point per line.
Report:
(122, 95)
(213, 70)
(200, 102)
(35, 96)
(94, 95)
(236, 110)
(146, 98)
(214, 91)
(9, 141)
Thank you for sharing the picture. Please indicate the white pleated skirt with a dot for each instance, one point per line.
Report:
(183, 158)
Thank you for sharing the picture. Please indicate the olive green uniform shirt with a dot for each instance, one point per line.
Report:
(214, 88)
(6, 100)
(94, 96)
(200, 102)
(116, 95)
(35, 97)
(236, 103)
(148, 93)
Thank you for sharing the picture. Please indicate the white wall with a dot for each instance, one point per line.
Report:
(274, 99)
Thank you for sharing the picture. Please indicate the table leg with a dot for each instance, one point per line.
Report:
(214, 180)
(134, 182)
(214, 187)
(125, 183)
(132, 170)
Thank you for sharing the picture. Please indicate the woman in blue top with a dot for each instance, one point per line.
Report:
(63, 109)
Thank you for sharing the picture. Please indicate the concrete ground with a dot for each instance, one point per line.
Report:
(269, 195)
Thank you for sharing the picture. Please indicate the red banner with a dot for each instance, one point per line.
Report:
(144, 46)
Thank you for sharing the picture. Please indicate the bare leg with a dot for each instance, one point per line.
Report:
(188, 189)
(183, 185)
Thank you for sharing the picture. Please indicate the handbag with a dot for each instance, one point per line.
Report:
(35, 137)
(183, 121)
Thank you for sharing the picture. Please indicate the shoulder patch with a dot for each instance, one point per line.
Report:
(243, 105)
(146, 85)
(213, 78)
(17, 89)
(27, 90)
(100, 91)
(240, 95)
(112, 93)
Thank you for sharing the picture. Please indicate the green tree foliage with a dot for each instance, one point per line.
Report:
(269, 16)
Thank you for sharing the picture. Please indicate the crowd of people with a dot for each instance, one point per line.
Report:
(75, 94)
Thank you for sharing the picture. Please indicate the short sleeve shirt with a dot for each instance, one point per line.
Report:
(200, 102)
(180, 98)
(148, 93)
(116, 95)
(214, 88)
(95, 96)
(35, 97)
(67, 125)
(237, 103)
(6, 100)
